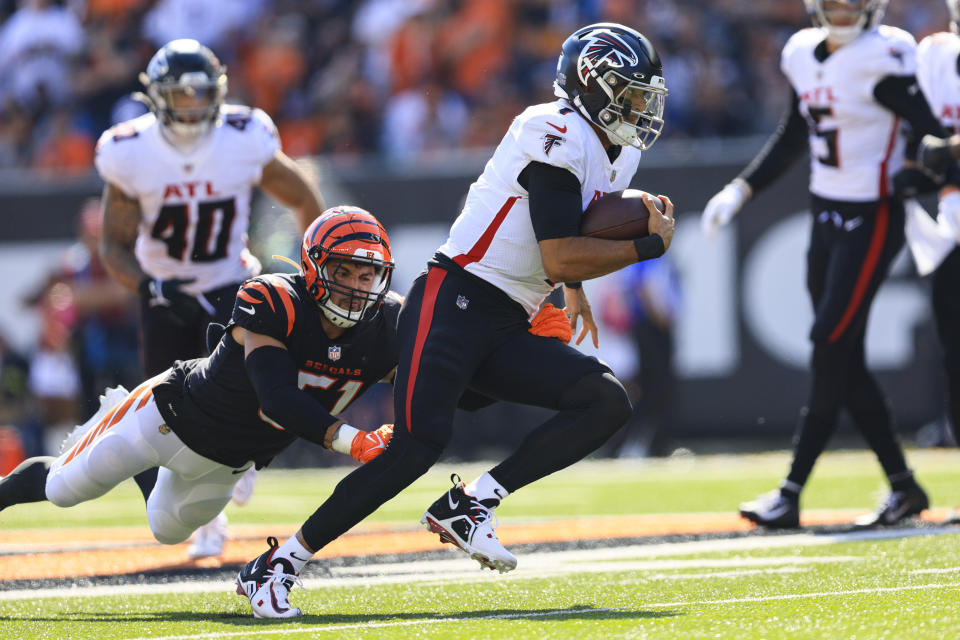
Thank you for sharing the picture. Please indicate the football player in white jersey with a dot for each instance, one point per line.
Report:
(466, 325)
(853, 82)
(176, 208)
(938, 72)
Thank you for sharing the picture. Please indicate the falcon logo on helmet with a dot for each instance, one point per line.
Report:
(604, 46)
(352, 235)
(613, 76)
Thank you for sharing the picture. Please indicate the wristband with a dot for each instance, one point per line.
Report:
(343, 438)
(573, 285)
(649, 247)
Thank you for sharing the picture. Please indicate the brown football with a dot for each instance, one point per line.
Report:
(619, 215)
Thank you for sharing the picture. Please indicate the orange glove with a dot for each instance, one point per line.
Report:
(367, 445)
(551, 322)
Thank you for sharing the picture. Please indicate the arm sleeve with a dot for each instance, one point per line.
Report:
(902, 95)
(273, 374)
(788, 142)
(555, 200)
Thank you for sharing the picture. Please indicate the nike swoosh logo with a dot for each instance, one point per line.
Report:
(296, 557)
(249, 310)
(564, 130)
(453, 505)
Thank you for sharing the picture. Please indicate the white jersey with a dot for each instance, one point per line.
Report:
(493, 237)
(939, 77)
(195, 206)
(855, 142)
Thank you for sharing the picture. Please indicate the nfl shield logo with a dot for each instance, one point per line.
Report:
(333, 353)
(462, 302)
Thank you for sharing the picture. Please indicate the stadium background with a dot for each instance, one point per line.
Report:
(394, 104)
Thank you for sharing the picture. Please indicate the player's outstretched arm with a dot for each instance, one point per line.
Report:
(290, 185)
(121, 220)
(273, 374)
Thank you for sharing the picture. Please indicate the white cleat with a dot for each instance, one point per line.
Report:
(209, 539)
(466, 522)
(243, 490)
(267, 582)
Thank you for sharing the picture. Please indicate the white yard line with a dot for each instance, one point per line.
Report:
(532, 565)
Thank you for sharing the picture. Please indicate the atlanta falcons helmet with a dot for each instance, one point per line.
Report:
(345, 233)
(186, 85)
(866, 14)
(613, 76)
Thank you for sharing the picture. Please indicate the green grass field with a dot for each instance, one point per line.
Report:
(785, 586)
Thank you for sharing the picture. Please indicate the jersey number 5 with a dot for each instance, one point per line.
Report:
(829, 136)
(211, 234)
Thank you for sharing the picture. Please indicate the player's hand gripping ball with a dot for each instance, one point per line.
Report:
(619, 215)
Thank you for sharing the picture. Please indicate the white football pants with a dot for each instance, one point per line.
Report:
(133, 437)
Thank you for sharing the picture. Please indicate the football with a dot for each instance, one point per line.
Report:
(619, 215)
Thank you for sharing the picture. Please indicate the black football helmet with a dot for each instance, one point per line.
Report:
(867, 14)
(953, 6)
(613, 76)
(186, 85)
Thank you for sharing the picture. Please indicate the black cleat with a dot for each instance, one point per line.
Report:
(773, 510)
(898, 506)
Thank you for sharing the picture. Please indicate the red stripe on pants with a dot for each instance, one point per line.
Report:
(866, 271)
(434, 279)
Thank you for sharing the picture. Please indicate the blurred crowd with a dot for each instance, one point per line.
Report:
(396, 77)
(400, 78)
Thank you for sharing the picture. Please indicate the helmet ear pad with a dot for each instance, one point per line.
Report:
(593, 101)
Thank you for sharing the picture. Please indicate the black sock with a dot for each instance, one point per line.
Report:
(146, 481)
(26, 483)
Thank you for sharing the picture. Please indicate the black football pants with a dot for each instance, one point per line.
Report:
(946, 311)
(457, 333)
(851, 248)
(178, 331)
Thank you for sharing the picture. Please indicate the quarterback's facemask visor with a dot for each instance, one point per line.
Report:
(634, 116)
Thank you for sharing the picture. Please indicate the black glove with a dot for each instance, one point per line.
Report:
(161, 293)
(935, 154)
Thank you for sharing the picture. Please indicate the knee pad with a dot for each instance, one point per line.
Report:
(167, 528)
(602, 395)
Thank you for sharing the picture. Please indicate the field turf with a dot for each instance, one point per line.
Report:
(618, 577)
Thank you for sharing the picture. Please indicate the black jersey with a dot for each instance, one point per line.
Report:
(210, 402)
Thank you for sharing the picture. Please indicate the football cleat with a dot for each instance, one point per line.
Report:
(772, 510)
(243, 490)
(267, 582)
(367, 445)
(464, 521)
(897, 506)
(953, 517)
(209, 539)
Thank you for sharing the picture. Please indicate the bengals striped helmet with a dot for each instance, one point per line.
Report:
(338, 241)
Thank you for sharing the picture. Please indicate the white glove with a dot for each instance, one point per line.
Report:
(949, 213)
(723, 206)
